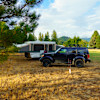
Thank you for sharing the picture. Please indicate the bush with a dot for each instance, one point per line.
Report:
(13, 49)
(3, 55)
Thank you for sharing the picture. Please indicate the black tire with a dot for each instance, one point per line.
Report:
(46, 62)
(79, 63)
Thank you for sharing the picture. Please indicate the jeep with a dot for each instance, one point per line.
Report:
(73, 55)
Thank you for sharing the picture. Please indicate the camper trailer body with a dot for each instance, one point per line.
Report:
(34, 49)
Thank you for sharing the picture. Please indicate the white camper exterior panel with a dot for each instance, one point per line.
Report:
(35, 55)
(36, 48)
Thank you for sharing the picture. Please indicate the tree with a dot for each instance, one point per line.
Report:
(5, 40)
(46, 38)
(83, 43)
(92, 43)
(41, 37)
(11, 10)
(54, 37)
(5, 35)
(98, 42)
(31, 37)
(2, 9)
(72, 42)
(76, 41)
(19, 36)
(68, 43)
(13, 13)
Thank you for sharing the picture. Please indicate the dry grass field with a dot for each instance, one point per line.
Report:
(27, 79)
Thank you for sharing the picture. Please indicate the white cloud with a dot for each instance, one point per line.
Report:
(70, 18)
(93, 21)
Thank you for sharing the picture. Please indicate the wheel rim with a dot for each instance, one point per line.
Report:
(46, 63)
(79, 64)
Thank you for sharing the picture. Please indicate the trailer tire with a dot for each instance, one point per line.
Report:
(27, 55)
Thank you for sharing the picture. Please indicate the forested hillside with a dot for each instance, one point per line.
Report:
(87, 39)
(62, 39)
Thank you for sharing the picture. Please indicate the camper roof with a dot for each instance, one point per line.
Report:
(34, 42)
(40, 42)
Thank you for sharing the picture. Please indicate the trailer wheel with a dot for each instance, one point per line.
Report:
(27, 55)
(46, 62)
(79, 63)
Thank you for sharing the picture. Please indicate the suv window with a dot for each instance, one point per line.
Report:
(72, 50)
(81, 51)
(63, 50)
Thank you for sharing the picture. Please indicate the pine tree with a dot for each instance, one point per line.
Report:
(6, 35)
(46, 38)
(68, 43)
(11, 10)
(54, 37)
(11, 13)
(92, 43)
(19, 36)
(76, 41)
(41, 37)
(98, 42)
(83, 43)
(31, 37)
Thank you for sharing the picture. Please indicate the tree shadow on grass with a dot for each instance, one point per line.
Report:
(56, 87)
(46, 87)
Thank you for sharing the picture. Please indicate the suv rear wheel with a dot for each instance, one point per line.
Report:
(79, 63)
(46, 62)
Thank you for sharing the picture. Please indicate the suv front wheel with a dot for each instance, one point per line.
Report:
(46, 62)
(79, 63)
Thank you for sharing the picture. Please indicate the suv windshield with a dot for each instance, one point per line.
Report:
(63, 50)
(57, 50)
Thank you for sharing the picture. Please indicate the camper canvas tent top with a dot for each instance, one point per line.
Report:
(33, 49)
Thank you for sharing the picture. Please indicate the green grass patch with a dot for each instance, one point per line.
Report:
(95, 56)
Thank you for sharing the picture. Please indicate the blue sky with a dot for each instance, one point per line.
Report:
(45, 4)
(69, 17)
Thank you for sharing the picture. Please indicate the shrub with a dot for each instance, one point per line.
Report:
(3, 55)
(13, 49)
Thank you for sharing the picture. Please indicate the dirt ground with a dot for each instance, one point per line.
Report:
(27, 79)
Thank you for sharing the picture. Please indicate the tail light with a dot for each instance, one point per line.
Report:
(88, 56)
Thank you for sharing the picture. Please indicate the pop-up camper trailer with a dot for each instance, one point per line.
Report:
(33, 49)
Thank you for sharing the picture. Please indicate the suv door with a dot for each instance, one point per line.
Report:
(61, 55)
(71, 54)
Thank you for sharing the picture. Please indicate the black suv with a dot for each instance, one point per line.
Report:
(74, 55)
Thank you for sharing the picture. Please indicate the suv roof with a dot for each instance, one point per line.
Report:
(75, 47)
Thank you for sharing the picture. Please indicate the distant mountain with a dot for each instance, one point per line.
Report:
(87, 39)
(62, 39)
